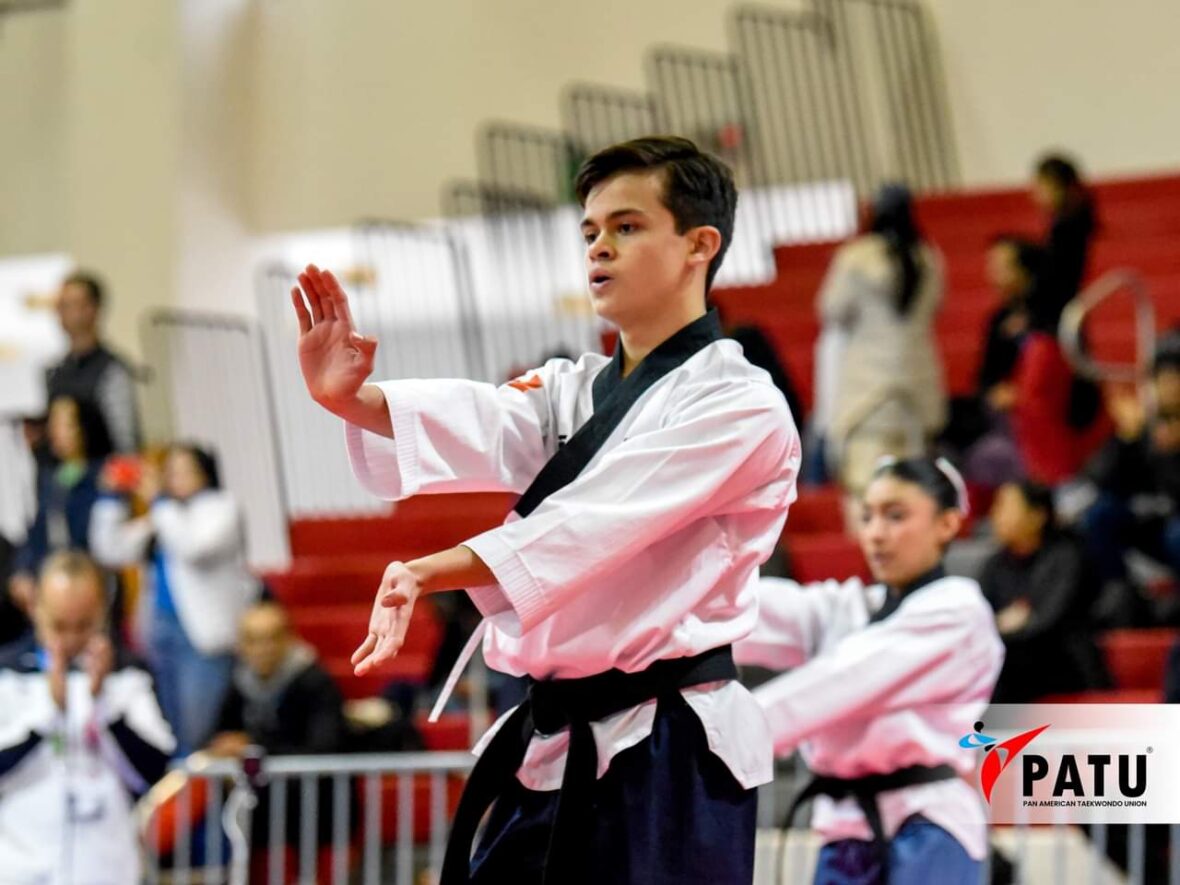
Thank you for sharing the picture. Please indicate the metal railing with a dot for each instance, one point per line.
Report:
(847, 89)
(384, 818)
(598, 116)
(369, 818)
(804, 94)
(210, 384)
(527, 160)
(528, 289)
(1073, 320)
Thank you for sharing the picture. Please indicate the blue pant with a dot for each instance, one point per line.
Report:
(919, 853)
(191, 685)
(1111, 529)
(667, 812)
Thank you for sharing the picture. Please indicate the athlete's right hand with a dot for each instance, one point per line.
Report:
(334, 357)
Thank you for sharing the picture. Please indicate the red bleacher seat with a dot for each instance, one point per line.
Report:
(1136, 658)
(816, 510)
(817, 557)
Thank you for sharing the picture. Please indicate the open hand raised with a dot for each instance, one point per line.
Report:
(335, 359)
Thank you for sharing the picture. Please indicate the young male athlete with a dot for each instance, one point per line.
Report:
(653, 483)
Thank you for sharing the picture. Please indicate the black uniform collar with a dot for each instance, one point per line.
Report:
(700, 332)
(895, 595)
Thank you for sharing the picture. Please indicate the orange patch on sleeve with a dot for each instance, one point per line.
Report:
(524, 385)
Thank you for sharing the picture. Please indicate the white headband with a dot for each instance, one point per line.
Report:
(947, 469)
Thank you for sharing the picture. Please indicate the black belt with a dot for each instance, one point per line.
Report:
(865, 790)
(550, 706)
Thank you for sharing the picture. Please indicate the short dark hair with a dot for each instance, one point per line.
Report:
(1059, 169)
(206, 461)
(91, 283)
(1037, 497)
(698, 187)
(926, 475)
(1028, 254)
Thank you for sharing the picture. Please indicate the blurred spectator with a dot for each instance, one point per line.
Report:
(80, 737)
(1041, 590)
(283, 701)
(991, 454)
(280, 698)
(91, 372)
(1054, 442)
(1137, 475)
(67, 488)
(883, 290)
(1058, 189)
(191, 546)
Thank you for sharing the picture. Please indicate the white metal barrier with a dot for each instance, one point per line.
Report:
(210, 385)
(304, 819)
(323, 819)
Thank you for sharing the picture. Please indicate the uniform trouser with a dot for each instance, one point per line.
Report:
(920, 853)
(667, 811)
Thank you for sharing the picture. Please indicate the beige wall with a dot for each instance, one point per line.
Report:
(151, 137)
(32, 133)
(1096, 77)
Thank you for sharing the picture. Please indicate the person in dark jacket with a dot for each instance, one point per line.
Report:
(1040, 587)
(67, 488)
(1059, 190)
(283, 701)
(280, 699)
(1137, 474)
(91, 371)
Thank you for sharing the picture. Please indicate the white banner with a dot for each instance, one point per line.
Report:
(1078, 763)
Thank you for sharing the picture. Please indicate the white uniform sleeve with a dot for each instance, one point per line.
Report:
(792, 621)
(134, 737)
(115, 540)
(934, 647)
(29, 716)
(457, 436)
(718, 446)
(199, 531)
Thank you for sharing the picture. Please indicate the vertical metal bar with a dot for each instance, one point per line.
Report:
(1136, 854)
(340, 828)
(405, 828)
(213, 834)
(152, 852)
(939, 134)
(438, 819)
(923, 105)
(308, 819)
(1098, 837)
(184, 834)
(911, 25)
(277, 831)
(372, 829)
(1060, 853)
(843, 40)
(891, 103)
(1174, 854)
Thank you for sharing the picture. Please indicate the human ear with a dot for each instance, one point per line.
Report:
(705, 243)
(948, 525)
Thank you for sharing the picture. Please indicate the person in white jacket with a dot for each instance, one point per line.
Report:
(883, 682)
(191, 546)
(81, 737)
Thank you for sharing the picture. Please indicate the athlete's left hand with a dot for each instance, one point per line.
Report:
(392, 609)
